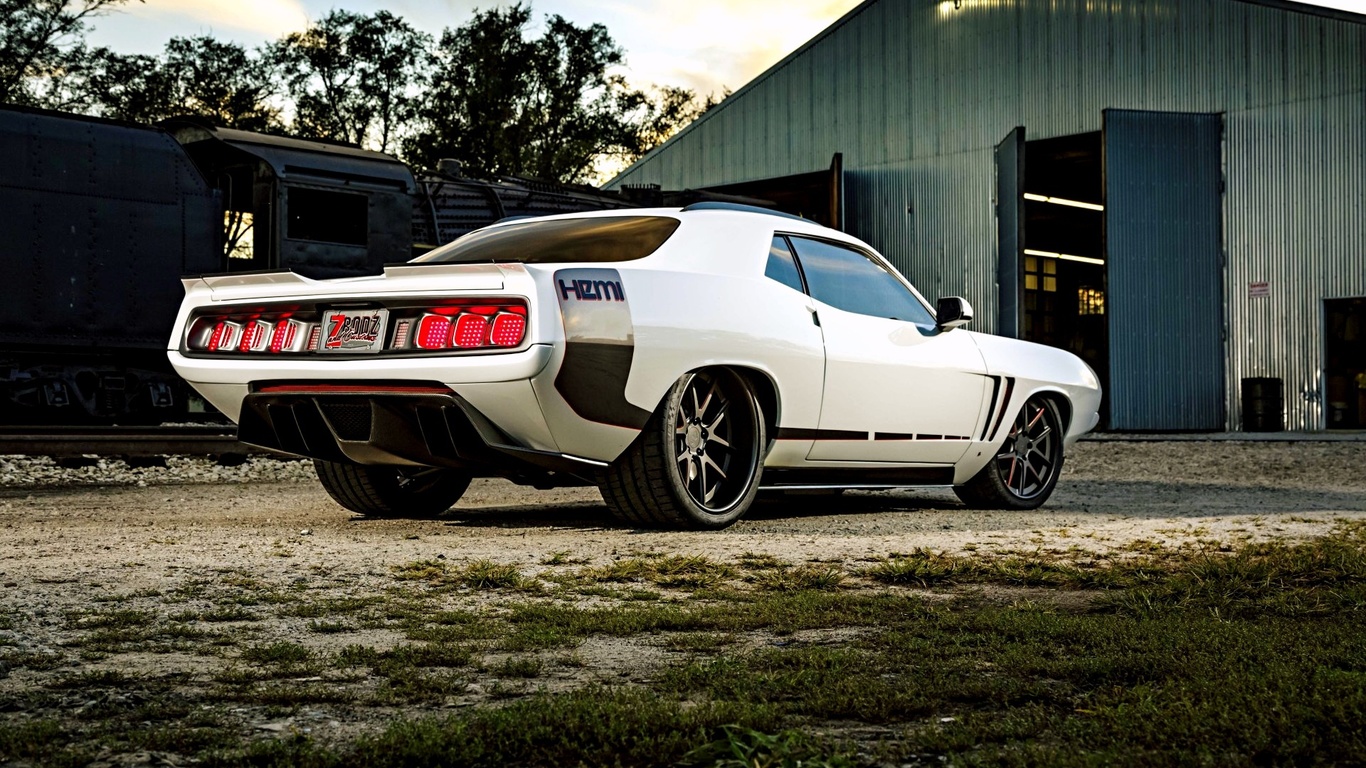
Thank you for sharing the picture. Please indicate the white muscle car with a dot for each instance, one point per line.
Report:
(681, 360)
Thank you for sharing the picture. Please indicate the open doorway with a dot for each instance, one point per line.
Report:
(1345, 373)
(818, 196)
(1062, 262)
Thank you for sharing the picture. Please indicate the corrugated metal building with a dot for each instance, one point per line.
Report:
(1174, 189)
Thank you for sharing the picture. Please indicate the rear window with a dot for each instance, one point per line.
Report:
(562, 241)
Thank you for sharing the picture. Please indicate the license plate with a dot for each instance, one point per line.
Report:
(353, 330)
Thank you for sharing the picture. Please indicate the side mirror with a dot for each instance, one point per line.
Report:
(953, 312)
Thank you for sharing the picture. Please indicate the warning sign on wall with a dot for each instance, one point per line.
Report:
(1258, 290)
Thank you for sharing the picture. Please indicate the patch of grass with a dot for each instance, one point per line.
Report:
(747, 748)
(697, 642)
(563, 557)
(118, 619)
(479, 574)
(486, 574)
(672, 571)
(756, 561)
(227, 613)
(280, 653)
(421, 570)
(518, 667)
(593, 726)
(1186, 655)
(797, 579)
(38, 661)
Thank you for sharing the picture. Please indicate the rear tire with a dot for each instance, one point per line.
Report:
(383, 491)
(1025, 469)
(698, 461)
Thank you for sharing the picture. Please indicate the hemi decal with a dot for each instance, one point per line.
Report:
(599, 347)
(590, 290)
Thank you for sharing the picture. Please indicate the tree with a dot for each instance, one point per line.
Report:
(37, 41)
(224, 82)
(353, 77)
(548, 107)
(198, 76)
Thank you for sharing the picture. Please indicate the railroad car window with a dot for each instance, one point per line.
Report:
(563, 241)
(849, 280)
(781, 267)
(327, 217)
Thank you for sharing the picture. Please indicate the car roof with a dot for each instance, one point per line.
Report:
(759, 217)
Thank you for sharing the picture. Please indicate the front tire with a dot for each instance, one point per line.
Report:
(698, 461)
(382, 491)
(1025, 469)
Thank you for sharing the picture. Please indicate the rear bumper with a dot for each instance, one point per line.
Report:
(226, 381)
(425, 427)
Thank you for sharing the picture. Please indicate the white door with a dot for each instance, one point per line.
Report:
(897, 389)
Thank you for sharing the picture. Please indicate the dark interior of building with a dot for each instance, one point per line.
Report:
(1063, 259)
(817, 196)
(1345, 346)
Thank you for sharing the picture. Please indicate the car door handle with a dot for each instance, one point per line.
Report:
(815, 317)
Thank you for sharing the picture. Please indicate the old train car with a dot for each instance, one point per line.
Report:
(102, 219)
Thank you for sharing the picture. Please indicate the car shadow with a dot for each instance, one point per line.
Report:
(591, 516)
(1100, 499)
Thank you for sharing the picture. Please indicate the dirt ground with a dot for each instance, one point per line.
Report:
(70, 537)
(82, 542)
(136, 536)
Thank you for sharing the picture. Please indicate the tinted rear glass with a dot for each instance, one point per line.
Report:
(562, 241)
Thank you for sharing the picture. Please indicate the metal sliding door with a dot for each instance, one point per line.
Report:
(1164, 294)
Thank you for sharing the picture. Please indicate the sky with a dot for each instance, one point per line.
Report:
(705, 45)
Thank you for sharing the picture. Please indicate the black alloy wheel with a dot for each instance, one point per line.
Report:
(1025, 469)
(1032, 452)
(698, 461)
(704, 456)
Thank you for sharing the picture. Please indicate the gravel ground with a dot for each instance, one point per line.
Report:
(114, 527)
(106, 536)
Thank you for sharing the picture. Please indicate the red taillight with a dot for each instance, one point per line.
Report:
(225, 336)
(508, 330)
(286, 331)
(464, 325)
(471, 331)
(434, 332)
(255, 336)
(220, 329)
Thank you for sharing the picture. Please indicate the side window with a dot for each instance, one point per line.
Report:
(848, 280)
(781, 267)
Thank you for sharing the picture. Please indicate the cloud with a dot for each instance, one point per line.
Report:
(267, 18)
(710, 44)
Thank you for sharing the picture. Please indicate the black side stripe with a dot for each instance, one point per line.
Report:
(1005, 402)
(991, 410)
(797, 433)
